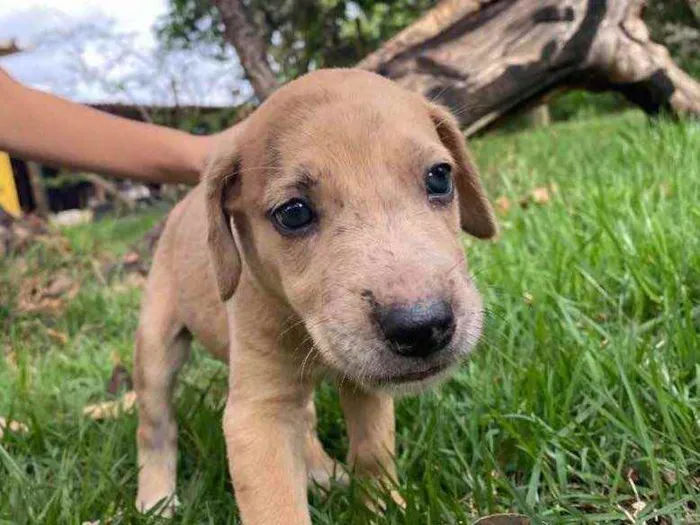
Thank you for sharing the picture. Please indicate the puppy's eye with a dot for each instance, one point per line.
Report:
(293, 216)
(438, 181)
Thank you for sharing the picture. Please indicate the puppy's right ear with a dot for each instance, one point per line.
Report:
(475, 211)
(222, 172)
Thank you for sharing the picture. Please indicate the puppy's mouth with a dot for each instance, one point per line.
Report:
(414, 376)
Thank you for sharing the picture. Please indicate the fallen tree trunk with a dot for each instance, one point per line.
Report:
(486, 58)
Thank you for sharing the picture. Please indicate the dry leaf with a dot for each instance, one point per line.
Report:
(503, 205)
(669, 476)
(13, 426)
(16, 233)
(58, 285)
(22, 232)
(131, 258)
(59, 337)
(59, 243)
(37, 296)
(11, 358)
(541, 195)
(111, 409)
(30, 299)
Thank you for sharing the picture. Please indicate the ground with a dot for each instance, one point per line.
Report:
(580, 405)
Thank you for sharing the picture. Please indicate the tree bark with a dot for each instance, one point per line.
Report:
(251, 48)
(36, 182)
(485, 58)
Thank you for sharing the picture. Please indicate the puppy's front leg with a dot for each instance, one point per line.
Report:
(371, 432)
(265, 427)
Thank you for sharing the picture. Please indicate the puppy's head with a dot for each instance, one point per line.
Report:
(347, 195)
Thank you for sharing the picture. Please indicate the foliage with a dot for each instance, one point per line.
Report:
(302, 34)
(673, 23)
(580, 405)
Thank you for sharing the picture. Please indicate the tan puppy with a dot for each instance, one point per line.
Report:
(335, 218)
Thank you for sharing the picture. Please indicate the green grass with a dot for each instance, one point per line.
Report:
(582, 398)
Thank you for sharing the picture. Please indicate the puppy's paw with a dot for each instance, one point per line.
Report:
(162, 506)
(326, 475)
(377, 501)
(322, 470)
(398, 499)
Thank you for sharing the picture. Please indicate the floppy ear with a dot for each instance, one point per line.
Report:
(221, 172)
(475, 211)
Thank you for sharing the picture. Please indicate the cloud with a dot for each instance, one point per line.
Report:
(131, 15)
(90, 54)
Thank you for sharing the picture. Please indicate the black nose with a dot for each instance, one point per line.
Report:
(417, 330)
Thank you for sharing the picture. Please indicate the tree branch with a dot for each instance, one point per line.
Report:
(246, 38)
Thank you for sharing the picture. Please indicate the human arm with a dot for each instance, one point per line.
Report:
(48, 129)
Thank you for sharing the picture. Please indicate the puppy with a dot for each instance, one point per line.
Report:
(323, 241)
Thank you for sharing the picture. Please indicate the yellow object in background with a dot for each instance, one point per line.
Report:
(8, 191)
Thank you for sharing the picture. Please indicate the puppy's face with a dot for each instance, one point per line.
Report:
(346, 200)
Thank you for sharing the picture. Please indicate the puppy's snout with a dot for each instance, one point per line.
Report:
(417, 330)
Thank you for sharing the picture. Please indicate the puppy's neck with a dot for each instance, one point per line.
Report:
(271, 324)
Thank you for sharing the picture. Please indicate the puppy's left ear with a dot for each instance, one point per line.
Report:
(475, 211)
(223, 171)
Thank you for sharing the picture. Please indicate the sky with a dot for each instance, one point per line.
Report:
(105, 51)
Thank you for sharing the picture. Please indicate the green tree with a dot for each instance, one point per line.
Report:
(301, 34)
(675, 24)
